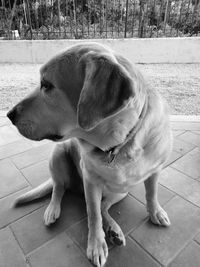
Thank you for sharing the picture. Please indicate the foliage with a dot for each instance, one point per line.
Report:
(52, 19)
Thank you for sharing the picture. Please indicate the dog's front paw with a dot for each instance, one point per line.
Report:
(159, 216)
(97, 250)
(52, 213)
(116, 236)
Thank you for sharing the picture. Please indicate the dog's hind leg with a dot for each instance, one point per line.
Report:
(60, 166)
(111, 228)
(157, 214)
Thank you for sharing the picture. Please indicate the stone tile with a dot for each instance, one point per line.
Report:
(10, 254)
(129, 256)
(79, 233)
(164, 243)
(32, 156)
(181, 146)
(8, 135)
(4, 121)
(181, 184)
(31, 232)
(128, 213)
(164, 195)
(189, 164)
(191, 137)
(61, 251)
(197, 238)
(37, 173)
(190, 256)
(10, 214)
(14, 148)
(196, 132)
(3, 113)
(185, 125)
(177, 132)
(11, 178)
(173, 157)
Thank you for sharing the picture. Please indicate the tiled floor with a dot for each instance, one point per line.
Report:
(25, 241)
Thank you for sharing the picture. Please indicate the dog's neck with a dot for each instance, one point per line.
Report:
(112, 134)
(112, 152)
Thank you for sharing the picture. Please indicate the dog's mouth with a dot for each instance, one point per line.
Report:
(53, 137)
(27, 129)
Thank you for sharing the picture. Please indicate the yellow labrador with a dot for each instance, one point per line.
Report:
(115, 130)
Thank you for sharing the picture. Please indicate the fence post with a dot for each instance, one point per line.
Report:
(29, 17)
(166, 14)
(141, 18)
(12, 16)
(58, 3)
(75, 21)
(126, 19)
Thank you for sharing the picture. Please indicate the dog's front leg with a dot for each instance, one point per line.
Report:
(97, 250)
(157, 214)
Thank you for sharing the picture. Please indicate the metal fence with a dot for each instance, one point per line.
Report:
(82, 19)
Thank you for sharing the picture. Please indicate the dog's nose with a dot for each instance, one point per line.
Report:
(12, 114)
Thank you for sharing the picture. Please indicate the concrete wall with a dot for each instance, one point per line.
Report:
(158, 50)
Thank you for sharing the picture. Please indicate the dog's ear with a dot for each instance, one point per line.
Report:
(107, 88)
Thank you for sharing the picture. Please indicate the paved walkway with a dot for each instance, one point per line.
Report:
(177, 83)
(25, 241)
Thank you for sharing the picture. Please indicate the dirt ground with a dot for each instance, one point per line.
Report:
(178, 83)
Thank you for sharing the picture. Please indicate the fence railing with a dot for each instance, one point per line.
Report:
(82, 19)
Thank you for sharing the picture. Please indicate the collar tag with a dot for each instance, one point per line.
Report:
(111, 156)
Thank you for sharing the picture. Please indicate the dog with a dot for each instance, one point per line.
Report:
(109, 124)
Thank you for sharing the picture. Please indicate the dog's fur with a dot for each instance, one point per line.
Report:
(115, 130)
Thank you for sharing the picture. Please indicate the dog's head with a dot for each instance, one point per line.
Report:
(78, 88)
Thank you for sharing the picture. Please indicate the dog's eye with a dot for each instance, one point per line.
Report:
(47, 86)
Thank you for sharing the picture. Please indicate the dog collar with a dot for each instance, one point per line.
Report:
(112, 152)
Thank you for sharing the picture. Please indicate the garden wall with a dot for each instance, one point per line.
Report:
(158, 50)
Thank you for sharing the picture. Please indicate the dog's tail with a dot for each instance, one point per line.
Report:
(38, 192)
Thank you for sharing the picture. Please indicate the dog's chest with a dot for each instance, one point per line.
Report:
(115, 177)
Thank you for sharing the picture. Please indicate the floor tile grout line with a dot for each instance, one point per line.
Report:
(16, 191)
(80, 221)
(182, 248)
(18, 219)
(174, 168)
(197, 242)
(165, 166)
(181, 155)
(26, 179)
(132, 238)
(42, 245)
(177, 194)
(176, 254)
(31, 148)
(15, 154)
(130, 194)
(41, 161)
(142, 222)
(134, 197)
(82, 251)
(48, 241)
(147, 218)
(33, 163)
(18, 244)
(10, 143)
(184, 131)
(194, 147)
(190, 143)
